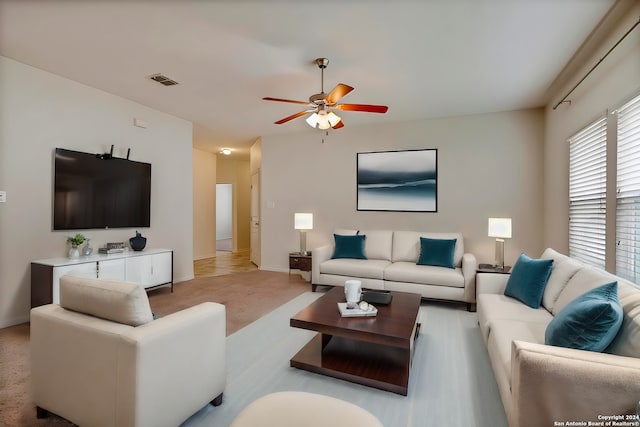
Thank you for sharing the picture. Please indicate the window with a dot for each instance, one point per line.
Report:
(628, 192)
(590, 174)
(587, 194)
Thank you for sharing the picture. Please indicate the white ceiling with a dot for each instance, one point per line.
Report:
(421, 58)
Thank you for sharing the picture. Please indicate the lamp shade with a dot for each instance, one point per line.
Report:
(500, 228)
(303, 221)
(312, 120)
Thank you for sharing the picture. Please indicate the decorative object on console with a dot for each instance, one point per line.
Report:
(138, 242)
(402, 181)
(112, 248)
(75, 241)
(500, 228)
(303, 222)
(528, 280)
(87, 249)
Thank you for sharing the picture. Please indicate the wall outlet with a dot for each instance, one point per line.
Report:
(3, 196)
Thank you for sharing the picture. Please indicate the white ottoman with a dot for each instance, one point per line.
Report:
(296, 408)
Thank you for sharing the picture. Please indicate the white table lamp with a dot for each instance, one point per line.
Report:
(303, 222)
(500, 228)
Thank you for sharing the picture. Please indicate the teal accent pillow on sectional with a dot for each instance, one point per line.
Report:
(349, 246)
(437, 252)
(528, 279)
(589, 322)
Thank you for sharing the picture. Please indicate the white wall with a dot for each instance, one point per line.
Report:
(204, 204)
(612, 82)
(224, 210)
(489, 165)
(40, 111)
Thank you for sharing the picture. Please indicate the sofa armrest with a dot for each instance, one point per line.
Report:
(557, 384)
(491, 283)
(320, 255)
(469, 267)
(183, 351)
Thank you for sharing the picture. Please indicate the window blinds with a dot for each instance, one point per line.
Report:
(628, 192)
(587, 194)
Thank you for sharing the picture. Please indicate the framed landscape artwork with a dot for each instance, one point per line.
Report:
(404, 181)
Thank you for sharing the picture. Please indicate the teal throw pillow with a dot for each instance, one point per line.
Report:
(589, 322)
(349, 246)
(437, 252)
(528, 279)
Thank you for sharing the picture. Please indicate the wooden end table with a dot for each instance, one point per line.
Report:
(373, 351)
(298, 261)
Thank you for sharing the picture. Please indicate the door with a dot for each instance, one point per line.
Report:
(255, 219)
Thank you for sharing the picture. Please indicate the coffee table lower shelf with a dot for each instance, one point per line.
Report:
(373, 365)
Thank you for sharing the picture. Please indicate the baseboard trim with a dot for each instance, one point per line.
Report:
(5, 323)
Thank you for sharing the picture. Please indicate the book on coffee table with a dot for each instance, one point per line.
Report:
(356, 312)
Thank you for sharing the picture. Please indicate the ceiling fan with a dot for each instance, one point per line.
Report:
(322, 105)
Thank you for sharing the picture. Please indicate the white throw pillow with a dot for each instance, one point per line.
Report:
(122, 302)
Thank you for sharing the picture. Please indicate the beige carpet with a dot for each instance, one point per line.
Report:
(247, 297)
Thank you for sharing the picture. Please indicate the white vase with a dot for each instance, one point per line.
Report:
(74, 252)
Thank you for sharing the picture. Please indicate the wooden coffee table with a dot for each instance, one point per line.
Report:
(374, 351)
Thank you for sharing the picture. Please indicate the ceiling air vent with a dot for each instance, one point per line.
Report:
(163, 79)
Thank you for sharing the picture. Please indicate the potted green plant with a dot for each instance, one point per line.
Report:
(75, 241)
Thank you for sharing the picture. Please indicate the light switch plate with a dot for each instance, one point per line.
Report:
(3, 196)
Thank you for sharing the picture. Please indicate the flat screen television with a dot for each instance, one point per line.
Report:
(99, 191)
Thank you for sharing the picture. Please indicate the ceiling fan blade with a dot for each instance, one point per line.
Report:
(362, 107)
(285, 100)
(338, 125)
(337, 93)
(293, 116)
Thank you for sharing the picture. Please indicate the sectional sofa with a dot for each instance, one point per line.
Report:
(540, 384)
(391, 264)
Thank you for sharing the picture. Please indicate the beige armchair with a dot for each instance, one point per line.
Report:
(99, 359)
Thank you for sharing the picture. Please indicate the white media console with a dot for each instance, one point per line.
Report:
(150, 267)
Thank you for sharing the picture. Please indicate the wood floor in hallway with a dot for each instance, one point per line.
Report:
(223, 263)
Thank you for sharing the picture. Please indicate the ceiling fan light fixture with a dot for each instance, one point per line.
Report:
(333, 118)
(312, 120)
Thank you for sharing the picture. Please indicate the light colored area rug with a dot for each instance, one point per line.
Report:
(451, 381)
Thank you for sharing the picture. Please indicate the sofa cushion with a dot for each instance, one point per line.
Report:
(590, 322)
(406, 245)
(528, 279)
(437, 252)
(627, 341)
(556, 256)
(369, 268)
(122, 302)
(378, 244)
(504, 332)
(349, 246)
(424, 274)
(495, 307)
(584, 280)
(562, 271)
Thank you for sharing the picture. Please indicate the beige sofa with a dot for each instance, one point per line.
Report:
(99, 358)
(541, 384)
(391, 265)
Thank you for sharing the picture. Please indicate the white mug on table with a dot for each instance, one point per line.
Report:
(352, 292)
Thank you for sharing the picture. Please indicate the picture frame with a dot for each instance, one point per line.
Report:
(398, 181)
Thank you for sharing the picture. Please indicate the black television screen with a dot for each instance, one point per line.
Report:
(94, 192)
